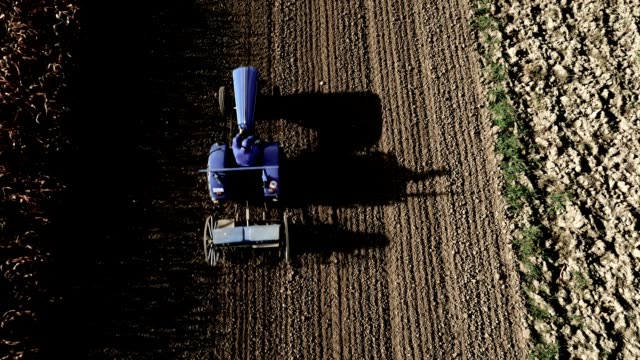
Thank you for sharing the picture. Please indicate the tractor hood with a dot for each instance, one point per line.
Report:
(245, 88)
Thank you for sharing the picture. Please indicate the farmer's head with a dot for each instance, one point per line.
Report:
(247, 142)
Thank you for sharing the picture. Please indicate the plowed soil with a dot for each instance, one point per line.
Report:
(579, 94)
(399, 242)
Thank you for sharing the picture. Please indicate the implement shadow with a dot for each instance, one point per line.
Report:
(347, 181)
(324, 239)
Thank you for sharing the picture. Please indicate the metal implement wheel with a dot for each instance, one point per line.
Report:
(211, 254)
(223, 100)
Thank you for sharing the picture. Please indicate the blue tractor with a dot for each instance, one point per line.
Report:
(246, 171)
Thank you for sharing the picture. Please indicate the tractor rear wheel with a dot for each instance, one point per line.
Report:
(223, 100)
(285, 250)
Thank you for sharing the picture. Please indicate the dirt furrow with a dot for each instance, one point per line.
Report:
(427, 133)
(369, 287)
(398, 276)
(450, 152)
(347, 316)
(418, 145)
(328, 311)
(403, 135)
(489, 271)
(381, 78)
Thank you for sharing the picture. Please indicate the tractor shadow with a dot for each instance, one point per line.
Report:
(344, 122)
(340, 170)
(352, 179)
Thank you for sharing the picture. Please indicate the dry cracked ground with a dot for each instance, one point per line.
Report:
(576, 66)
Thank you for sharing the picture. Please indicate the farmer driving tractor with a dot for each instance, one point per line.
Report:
(245, 149)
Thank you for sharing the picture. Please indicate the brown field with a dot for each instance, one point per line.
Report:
(406, 255)
(401, 246)
(400, 243)
(407, 260)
